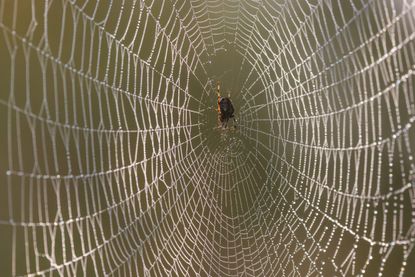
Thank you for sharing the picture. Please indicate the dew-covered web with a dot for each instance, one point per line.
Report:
(112, 162)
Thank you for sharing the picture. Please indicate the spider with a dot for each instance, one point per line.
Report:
(225, 109)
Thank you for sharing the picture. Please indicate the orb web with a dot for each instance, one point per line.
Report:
(112, 162)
